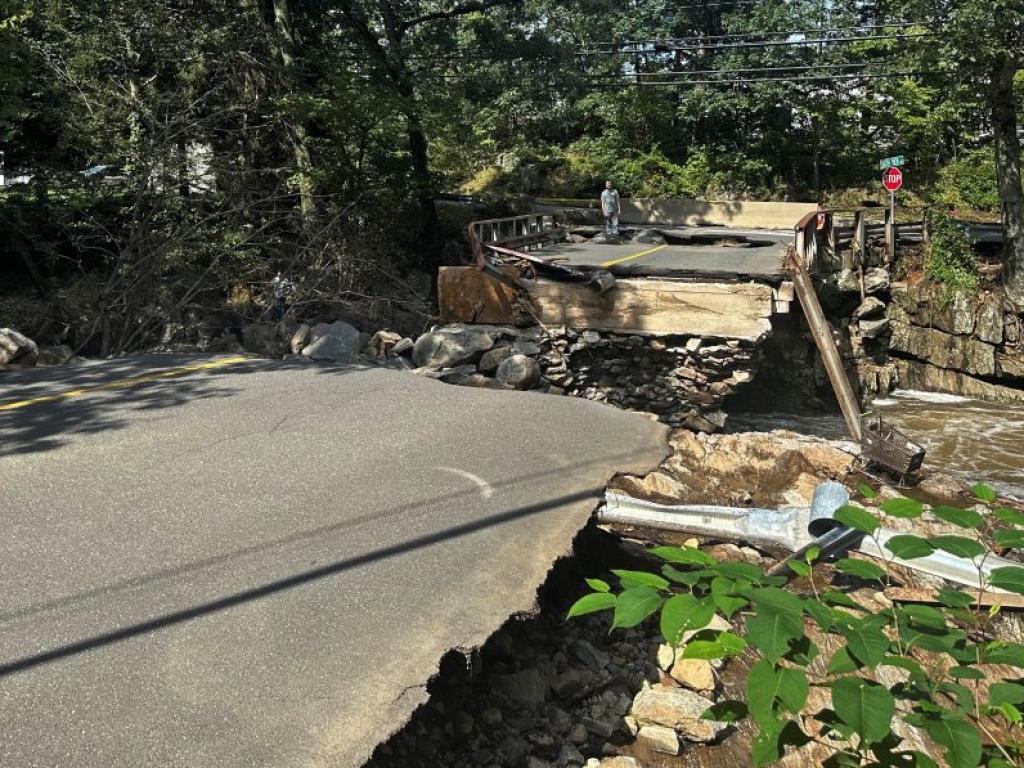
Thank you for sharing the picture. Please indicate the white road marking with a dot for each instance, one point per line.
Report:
(485, 488)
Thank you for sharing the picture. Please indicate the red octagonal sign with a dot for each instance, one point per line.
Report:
(892, 179)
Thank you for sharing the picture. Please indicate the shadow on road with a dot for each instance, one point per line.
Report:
(281, 585)
(49, 425)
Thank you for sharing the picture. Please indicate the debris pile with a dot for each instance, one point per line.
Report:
(683, 380)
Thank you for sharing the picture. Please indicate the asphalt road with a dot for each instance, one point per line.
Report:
(262, 563)
(710, 252)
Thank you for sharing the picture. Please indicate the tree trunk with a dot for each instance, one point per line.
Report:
(296, 130)
(1003, 101)
(427, 231)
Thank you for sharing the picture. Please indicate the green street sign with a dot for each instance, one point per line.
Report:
(892, 162)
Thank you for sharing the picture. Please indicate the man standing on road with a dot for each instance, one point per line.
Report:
(610, 208)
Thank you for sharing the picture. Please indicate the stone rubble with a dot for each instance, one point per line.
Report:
(682, 380)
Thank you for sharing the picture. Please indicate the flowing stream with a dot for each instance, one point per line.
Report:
(971, 439)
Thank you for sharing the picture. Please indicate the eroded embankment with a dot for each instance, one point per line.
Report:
(545, 692)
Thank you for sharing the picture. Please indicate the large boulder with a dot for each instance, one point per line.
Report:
(449, 347)
(519, 371)
(492, 358)
(336, 342)
(263, 339)
(678, 709)
(16, 348)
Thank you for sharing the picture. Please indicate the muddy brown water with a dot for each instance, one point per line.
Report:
(970, 439)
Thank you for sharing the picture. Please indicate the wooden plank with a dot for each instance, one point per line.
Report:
(725, 310)
(467, 295)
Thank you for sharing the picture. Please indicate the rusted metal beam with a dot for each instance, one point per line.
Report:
(822, 334)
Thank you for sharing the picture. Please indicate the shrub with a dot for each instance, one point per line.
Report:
(950, 256)
(969, 182)
(940, 650)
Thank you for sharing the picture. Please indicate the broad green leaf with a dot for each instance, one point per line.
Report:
(684, 612)
(860, 568)
(773, 597)
(984, 492)
(1000, 652)
(904, 662)
(866, 491)
(958, 737)
(724, 597)
(812, 554)
(954, 598)
(1009, 516)
(856, 518)
(925, 616)
(725, 712)
(958, 545)
(865, 706)
(902, 507)
(1005, 693)
(634, 605)
(631, 579)
(820, 612)
(724, 645)
(739, 571)
(1013, 715)
(799, 567)
(771, 630)
(966, 673)
(596, 601)
(831, 597)
(841, 662)
(1010, 578)
(908, 547)
(686, 578)
(762, 688)
(802, 651)
(961, 693)
(1010, 539)
(965, 518)
(683, 555)
(766, 748)
(865, 640)
(732, 643)
(793, 689)
(598, 586)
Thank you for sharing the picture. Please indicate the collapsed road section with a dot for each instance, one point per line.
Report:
(282, 556)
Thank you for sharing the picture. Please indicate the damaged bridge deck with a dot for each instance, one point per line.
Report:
(701, 281)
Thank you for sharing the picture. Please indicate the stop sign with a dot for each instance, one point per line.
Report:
(892, 179)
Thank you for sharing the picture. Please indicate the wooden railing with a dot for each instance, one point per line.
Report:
(833, 239)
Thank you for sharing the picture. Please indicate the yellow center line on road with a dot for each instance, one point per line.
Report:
(122, 383)
(613, 262)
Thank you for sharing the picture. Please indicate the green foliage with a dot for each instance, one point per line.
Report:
(938, 648)
(951, 260)
(969, 182)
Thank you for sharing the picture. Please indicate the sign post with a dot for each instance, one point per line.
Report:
(892, 180)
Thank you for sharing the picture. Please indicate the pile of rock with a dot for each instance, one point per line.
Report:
(550, 694)
(16, 349)
(682, 379)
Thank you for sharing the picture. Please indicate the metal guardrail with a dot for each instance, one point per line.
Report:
(511, 229)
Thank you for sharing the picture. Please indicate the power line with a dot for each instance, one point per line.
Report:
(762, 44)
(754, 35)
(795, 68)
(626, 83)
